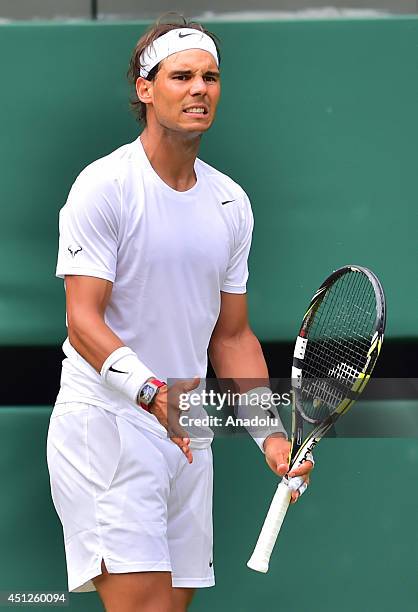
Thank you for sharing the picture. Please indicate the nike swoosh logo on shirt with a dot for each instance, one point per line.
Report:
(227, 202)
(118, 371)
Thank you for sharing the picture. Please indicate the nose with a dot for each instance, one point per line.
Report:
(198, 86)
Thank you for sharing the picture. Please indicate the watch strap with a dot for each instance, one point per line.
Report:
(157, 383)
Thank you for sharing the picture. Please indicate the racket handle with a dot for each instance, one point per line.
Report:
(260, 558)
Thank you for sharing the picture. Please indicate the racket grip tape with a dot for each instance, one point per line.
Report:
(260, 558)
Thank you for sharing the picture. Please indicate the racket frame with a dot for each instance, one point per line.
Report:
(300, 449)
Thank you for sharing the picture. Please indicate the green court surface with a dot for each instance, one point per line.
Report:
(350, 545)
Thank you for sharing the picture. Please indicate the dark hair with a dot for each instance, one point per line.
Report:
(155, 31)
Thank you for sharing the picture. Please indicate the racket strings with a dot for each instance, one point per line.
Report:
(343, 323)
(339, 340)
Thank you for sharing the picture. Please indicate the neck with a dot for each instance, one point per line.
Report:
(172, 155)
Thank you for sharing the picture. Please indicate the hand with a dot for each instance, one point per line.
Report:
(277, 450)
(165, 408)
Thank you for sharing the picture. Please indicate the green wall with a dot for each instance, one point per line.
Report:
(317, 122)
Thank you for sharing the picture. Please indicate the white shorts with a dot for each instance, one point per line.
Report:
(128, 497)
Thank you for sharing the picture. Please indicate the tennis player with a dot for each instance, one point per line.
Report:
(153, 249)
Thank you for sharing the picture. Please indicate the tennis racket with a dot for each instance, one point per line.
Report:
(335, 352)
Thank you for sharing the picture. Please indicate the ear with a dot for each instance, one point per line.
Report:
(144, 90)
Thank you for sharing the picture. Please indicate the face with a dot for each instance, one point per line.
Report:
(185, 93)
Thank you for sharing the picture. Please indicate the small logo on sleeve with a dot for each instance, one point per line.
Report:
(210, 563)
(74, 249)
(227, 202)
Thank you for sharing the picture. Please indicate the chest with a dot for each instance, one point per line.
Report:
(193, 238)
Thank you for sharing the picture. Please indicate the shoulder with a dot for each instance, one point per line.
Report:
(224, 187)
(95, 197)
(107, 174)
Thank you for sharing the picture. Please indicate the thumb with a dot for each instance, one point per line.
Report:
(282, 468)
(191, 384)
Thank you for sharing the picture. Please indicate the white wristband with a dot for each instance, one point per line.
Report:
(124, 372)
(257, 406)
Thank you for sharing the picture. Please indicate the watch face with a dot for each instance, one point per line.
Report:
(147, 393)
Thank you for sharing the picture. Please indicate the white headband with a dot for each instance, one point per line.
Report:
(173, 42)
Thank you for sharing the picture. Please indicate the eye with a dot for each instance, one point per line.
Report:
(181, 77)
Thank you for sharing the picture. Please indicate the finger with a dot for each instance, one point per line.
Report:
(302, 470)
(180, 441)
(294, 497)
(183, 444)
(186, 449)
(191, 384)
(282, 468)
(188, 455)
(175, 430)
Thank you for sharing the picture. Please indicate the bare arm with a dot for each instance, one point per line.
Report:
(234, 350)
(87, 298)
(235, 353)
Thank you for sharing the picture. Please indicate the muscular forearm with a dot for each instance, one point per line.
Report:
(241, 358)
(93, 339)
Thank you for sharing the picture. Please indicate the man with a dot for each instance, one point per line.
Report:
(153, 248)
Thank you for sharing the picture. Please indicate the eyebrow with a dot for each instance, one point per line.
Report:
(189, 72)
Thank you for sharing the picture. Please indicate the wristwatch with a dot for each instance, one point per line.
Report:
(148, 392)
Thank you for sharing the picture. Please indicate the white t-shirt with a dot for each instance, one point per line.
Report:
(169, 254)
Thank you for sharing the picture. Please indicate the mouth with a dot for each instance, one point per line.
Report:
(196, 111)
